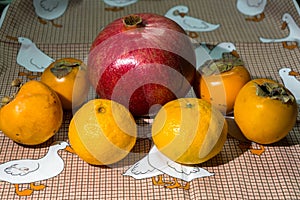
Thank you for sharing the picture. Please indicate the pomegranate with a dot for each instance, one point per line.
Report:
(142, 61)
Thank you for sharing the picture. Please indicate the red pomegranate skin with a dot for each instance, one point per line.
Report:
(143, 66)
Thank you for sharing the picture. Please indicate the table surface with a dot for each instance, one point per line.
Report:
(238, 173)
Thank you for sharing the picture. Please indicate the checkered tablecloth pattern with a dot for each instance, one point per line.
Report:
(238, 174)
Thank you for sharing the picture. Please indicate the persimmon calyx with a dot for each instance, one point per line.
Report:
(16, 83)
(6, 99)
(211, 67)
(274, 91)
(63, 68)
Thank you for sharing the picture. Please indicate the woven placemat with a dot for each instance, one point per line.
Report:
(238, 174)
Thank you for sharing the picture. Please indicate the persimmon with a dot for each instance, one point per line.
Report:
(33, 116)
(265, 111)
(68, 78)
(220, 81)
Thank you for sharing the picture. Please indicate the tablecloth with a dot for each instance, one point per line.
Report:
(238, 174)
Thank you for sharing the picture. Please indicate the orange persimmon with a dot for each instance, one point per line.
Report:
(33, 116)
(68, 78)
(220, 81)
(265, 111)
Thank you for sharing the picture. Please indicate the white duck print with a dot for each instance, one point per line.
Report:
(142, 169)
(293, 39)
(252, 8)
(50, 10)
(291, 82)
(30, 171)
(30, 56)
(188, 23)
(203, 53)
(157, 164)
(221, 48)
(116, 5)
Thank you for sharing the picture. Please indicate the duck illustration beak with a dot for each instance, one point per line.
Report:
(181, 14)
(12, 38)
(293, 73)
(70, 149)
(284, 25)
(235, 54)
